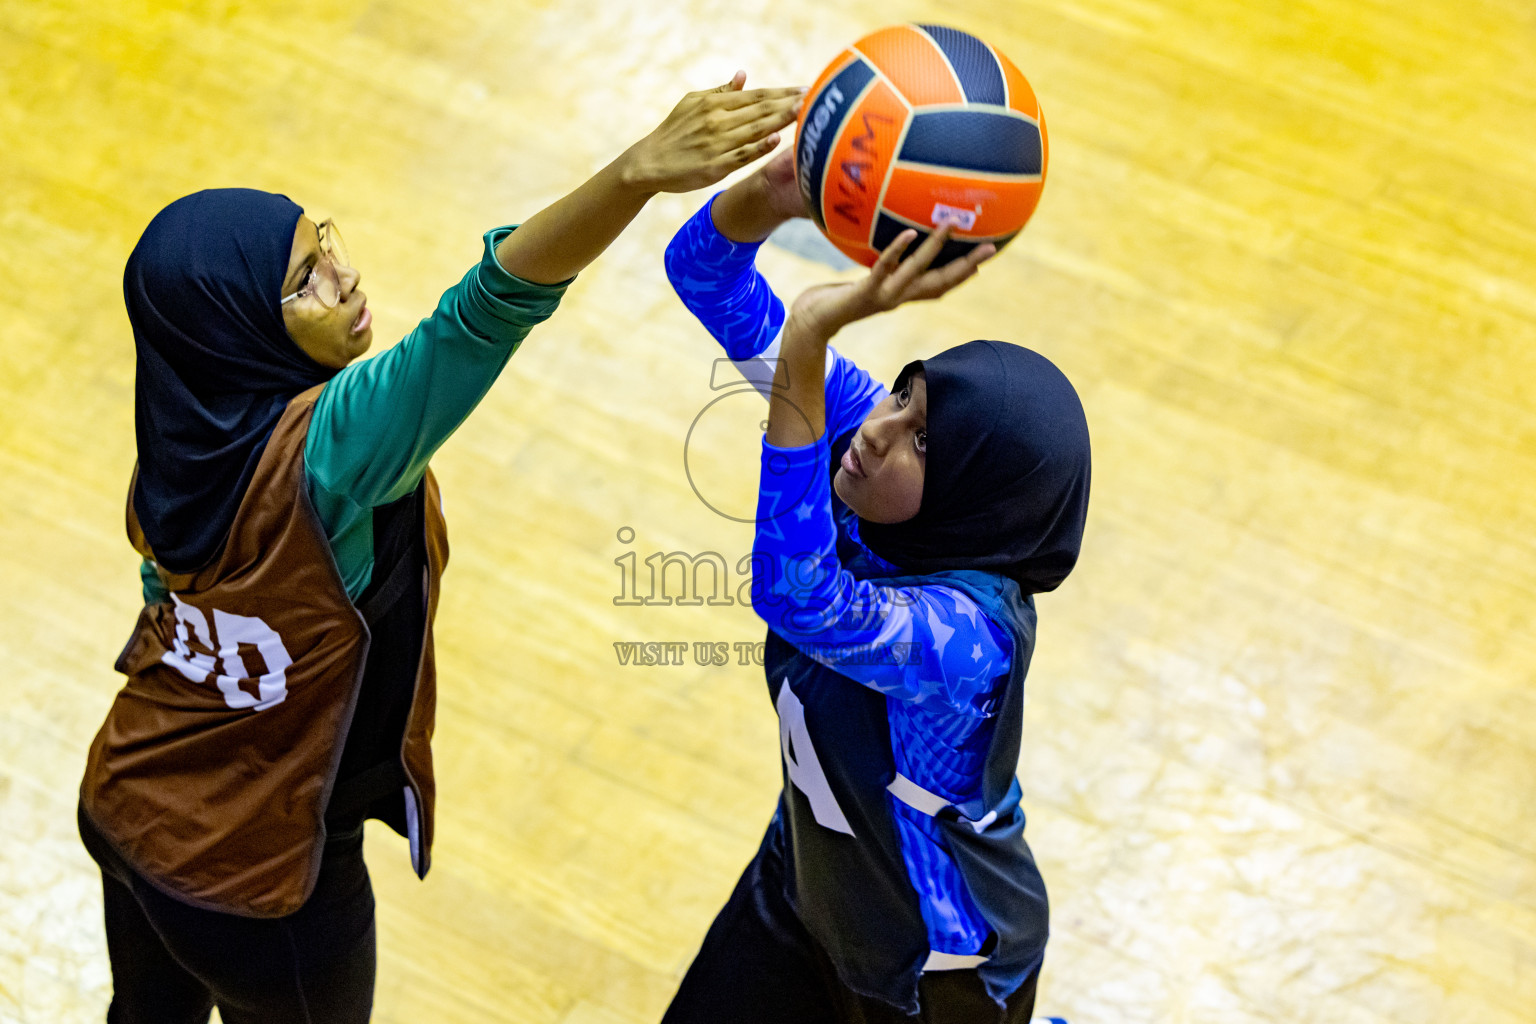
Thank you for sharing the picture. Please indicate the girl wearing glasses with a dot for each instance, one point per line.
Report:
(280, 683)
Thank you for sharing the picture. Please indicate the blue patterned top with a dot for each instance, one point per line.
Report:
(934, 654)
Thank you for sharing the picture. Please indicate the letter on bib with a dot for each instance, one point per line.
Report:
(191, 625)
(804, 766)
(272, 685)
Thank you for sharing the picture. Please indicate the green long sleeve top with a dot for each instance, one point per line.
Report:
(378, 422)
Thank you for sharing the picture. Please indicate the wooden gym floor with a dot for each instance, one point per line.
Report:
(1280, 748)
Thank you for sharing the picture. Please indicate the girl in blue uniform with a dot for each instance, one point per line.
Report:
(900, 537)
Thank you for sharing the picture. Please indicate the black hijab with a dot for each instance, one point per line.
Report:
(215, 368)
(1005, 486)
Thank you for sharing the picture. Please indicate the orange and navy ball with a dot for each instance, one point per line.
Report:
(915, 126)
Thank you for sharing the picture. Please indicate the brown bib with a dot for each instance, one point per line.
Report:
(213, 769)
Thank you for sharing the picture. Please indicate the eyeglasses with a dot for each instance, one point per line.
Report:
(324, 283)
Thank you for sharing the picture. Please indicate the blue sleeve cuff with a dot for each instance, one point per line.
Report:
(799, 457)
(788, 482)
(727, 253)
(717, 280)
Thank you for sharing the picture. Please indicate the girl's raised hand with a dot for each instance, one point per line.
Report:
(826, 309)
(708, 135)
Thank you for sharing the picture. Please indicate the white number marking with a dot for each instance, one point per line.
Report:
(230, 631)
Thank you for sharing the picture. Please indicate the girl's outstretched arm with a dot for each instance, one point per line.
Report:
(379, 421)
(708, 135)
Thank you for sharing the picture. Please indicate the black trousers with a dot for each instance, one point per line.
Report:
(172, 963)
(759, 965)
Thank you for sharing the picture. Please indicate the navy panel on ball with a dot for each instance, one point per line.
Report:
(825, 115)
(888, 227)
(980, 77)
(973, 140)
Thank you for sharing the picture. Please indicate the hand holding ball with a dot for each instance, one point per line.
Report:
(915, 126)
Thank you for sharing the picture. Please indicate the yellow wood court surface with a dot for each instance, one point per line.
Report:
(1280, 735)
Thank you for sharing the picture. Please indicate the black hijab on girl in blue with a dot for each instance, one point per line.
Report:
(216, 366)
(1005, 482)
